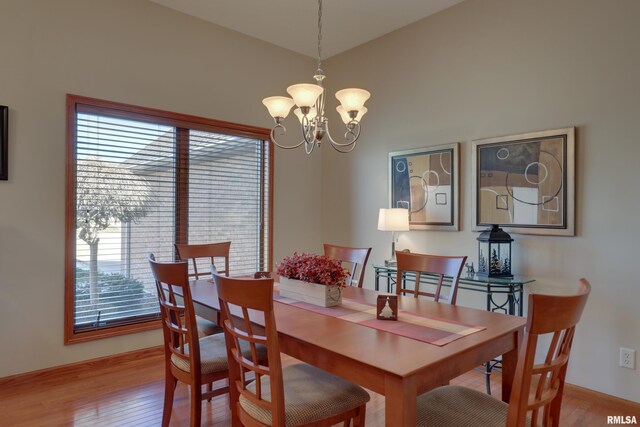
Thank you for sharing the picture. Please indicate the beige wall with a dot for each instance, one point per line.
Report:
(481, 69)
(129, 51)
(498, 67)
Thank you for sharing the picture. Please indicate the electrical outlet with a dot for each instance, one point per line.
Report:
(627, 358)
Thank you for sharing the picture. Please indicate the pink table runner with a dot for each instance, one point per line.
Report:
(429, 329)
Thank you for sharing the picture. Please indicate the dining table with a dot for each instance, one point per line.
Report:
(383, 361)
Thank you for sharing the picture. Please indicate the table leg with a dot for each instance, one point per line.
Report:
(509, 362)
(520, 300)
(511, 299)
(487, 365)
(400, 397)
(377, 286)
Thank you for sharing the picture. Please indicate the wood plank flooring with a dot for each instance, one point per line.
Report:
(131, 394)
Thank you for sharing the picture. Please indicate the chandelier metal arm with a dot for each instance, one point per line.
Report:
(309, 146)
(350, 137)
(284, 130)
(307, 132)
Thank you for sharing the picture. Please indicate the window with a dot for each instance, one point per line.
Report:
(140, 180)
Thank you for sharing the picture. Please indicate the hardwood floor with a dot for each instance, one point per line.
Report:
(131, 393)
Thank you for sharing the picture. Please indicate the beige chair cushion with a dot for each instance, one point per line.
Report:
(213, 354)
(207, 327)
(460, 406)
(310, 394)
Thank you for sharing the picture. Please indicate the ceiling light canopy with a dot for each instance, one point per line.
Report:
(310, 100)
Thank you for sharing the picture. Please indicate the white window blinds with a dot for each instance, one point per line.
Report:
(142, 183)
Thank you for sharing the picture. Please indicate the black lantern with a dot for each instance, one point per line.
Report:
(494, 253)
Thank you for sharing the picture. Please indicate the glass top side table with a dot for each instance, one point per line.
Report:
(503, 294)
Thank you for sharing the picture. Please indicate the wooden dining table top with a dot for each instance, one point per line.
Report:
(330, 341)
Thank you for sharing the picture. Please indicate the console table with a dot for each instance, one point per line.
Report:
(503, 294)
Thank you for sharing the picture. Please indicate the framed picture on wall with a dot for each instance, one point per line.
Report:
(525, 183)
(4, 142)
(425, 181)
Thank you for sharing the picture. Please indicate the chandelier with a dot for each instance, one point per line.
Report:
(310, 100)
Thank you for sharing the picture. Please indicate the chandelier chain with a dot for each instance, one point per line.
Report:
(319, 33)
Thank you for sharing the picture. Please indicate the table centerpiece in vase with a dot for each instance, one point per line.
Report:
(314, 279)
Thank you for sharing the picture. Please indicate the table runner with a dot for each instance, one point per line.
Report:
(429, 329)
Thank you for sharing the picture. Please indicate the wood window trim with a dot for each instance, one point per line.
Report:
(128, 111)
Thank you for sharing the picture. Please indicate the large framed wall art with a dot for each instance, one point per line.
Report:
(4, 142)
(525, 183)
(425, 181)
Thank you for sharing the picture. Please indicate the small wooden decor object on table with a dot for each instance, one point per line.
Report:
(387, 307)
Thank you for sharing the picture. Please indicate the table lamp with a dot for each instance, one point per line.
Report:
(394, 219)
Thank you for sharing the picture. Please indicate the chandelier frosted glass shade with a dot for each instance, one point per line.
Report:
(305, 94)
(352, 99)
(346, 118)
(278, 106)
(310, 115)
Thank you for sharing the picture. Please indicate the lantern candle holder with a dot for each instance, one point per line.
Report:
(494, 253)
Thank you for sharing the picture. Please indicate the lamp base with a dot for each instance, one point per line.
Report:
(390, 263)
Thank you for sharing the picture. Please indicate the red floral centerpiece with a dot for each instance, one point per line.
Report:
(313, 269)
(311, 278)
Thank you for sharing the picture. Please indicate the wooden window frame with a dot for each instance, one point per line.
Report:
(127, 111)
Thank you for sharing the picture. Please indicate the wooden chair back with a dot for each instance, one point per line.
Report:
(356, 257)
(178, 315)
(237, 297)
(538, 387)
(211, 251)
(440, 266)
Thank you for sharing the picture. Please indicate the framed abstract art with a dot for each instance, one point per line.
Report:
(525, 183)
(425, 181)
(4, 142)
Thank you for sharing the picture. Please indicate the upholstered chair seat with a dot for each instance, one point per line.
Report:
(460, 406)
(213, 354)
(310, 395)
(207, 327)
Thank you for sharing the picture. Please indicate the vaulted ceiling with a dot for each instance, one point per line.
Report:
(292, 24)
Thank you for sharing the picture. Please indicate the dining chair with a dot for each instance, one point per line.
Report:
(434, 265)
(536, 387)
(294, 395)
(356, 257)
(207, 253)
(192, 360)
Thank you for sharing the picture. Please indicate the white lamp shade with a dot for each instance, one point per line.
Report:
(344, 115)
(278, 106)
(352, 99)
(394, 219)
(311, 115)
(305, 94)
